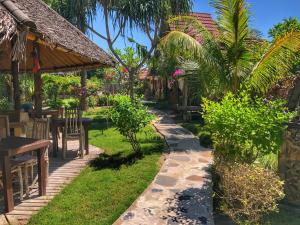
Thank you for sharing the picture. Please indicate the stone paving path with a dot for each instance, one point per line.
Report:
(181, 193)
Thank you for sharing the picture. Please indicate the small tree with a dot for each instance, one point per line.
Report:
(130, 117)
(148, 16)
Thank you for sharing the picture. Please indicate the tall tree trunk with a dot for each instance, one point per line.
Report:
(131, 85)
(83, 81)
(185, 93)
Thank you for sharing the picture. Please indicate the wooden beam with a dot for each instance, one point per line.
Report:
(38, 83)
(35, 38)
(83, 97)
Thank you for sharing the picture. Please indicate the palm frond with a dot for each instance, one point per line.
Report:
(181, 40)
(207, 51)
(276, 62)
(233, 21)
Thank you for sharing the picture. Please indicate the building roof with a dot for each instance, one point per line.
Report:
(70, 47)
(204, 18)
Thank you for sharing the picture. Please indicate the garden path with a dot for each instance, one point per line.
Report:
(181, 193)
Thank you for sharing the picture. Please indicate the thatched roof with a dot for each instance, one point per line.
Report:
(63, 46)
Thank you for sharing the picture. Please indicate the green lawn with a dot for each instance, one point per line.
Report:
(110, 185)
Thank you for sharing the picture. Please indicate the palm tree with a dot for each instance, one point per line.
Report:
(226, 62)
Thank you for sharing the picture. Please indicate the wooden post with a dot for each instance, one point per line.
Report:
(185, 93)
(83, 102)
(42, 169)
(15, 80)
(7, 184)
(38, 97)
(186, 116)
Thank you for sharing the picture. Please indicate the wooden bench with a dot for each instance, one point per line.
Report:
(186, 111)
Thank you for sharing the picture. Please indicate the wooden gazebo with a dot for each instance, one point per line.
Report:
(35, 39)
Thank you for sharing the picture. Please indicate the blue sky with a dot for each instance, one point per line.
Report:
(264, 14)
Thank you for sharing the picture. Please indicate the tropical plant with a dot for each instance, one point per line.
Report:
(130, 117)
(225, 62)
(281, 29)
(284, 27)
(244, 129)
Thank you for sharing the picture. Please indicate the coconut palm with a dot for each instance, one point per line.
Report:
(227, 61)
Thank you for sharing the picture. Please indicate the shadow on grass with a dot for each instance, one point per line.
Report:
(115, 161)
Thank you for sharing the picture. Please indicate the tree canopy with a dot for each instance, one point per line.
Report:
(286, 26)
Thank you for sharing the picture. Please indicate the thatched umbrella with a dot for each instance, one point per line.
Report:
(34, 38)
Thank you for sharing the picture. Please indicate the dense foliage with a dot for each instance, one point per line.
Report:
(4, 104)
(227, 62)
(243, 128)
(249, 192)
(129, 117)
(284, 27)
(56, 88)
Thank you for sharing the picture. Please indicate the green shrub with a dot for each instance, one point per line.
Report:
(4, 104)
(129, 118)
(243, 128)
(93, 101)
(249, 192)
(105, 100)
(55, 103)
(205, 139)
(64, 103)
(71, 103)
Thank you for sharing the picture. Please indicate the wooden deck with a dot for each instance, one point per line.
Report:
(61, 173)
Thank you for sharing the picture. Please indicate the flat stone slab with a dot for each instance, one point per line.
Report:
(181, 193)
(180, 158)
(165, 181)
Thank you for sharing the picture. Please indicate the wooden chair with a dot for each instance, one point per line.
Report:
(73, 130)
(4, 126)
(16, 170)
(40, 130)
(17, 121)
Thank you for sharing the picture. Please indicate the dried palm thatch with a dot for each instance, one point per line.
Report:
(63, 47)
(7, 25)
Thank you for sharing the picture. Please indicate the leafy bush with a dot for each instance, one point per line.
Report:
(105, 100)
(64, 103)
(205, 139)
(243, 128)
(55, 85)
(249, 192)
(93, 101)
(129, 118)
(4, 104)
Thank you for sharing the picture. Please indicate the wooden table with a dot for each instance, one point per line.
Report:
(13, 146)
(59, 123)
(45, 113)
